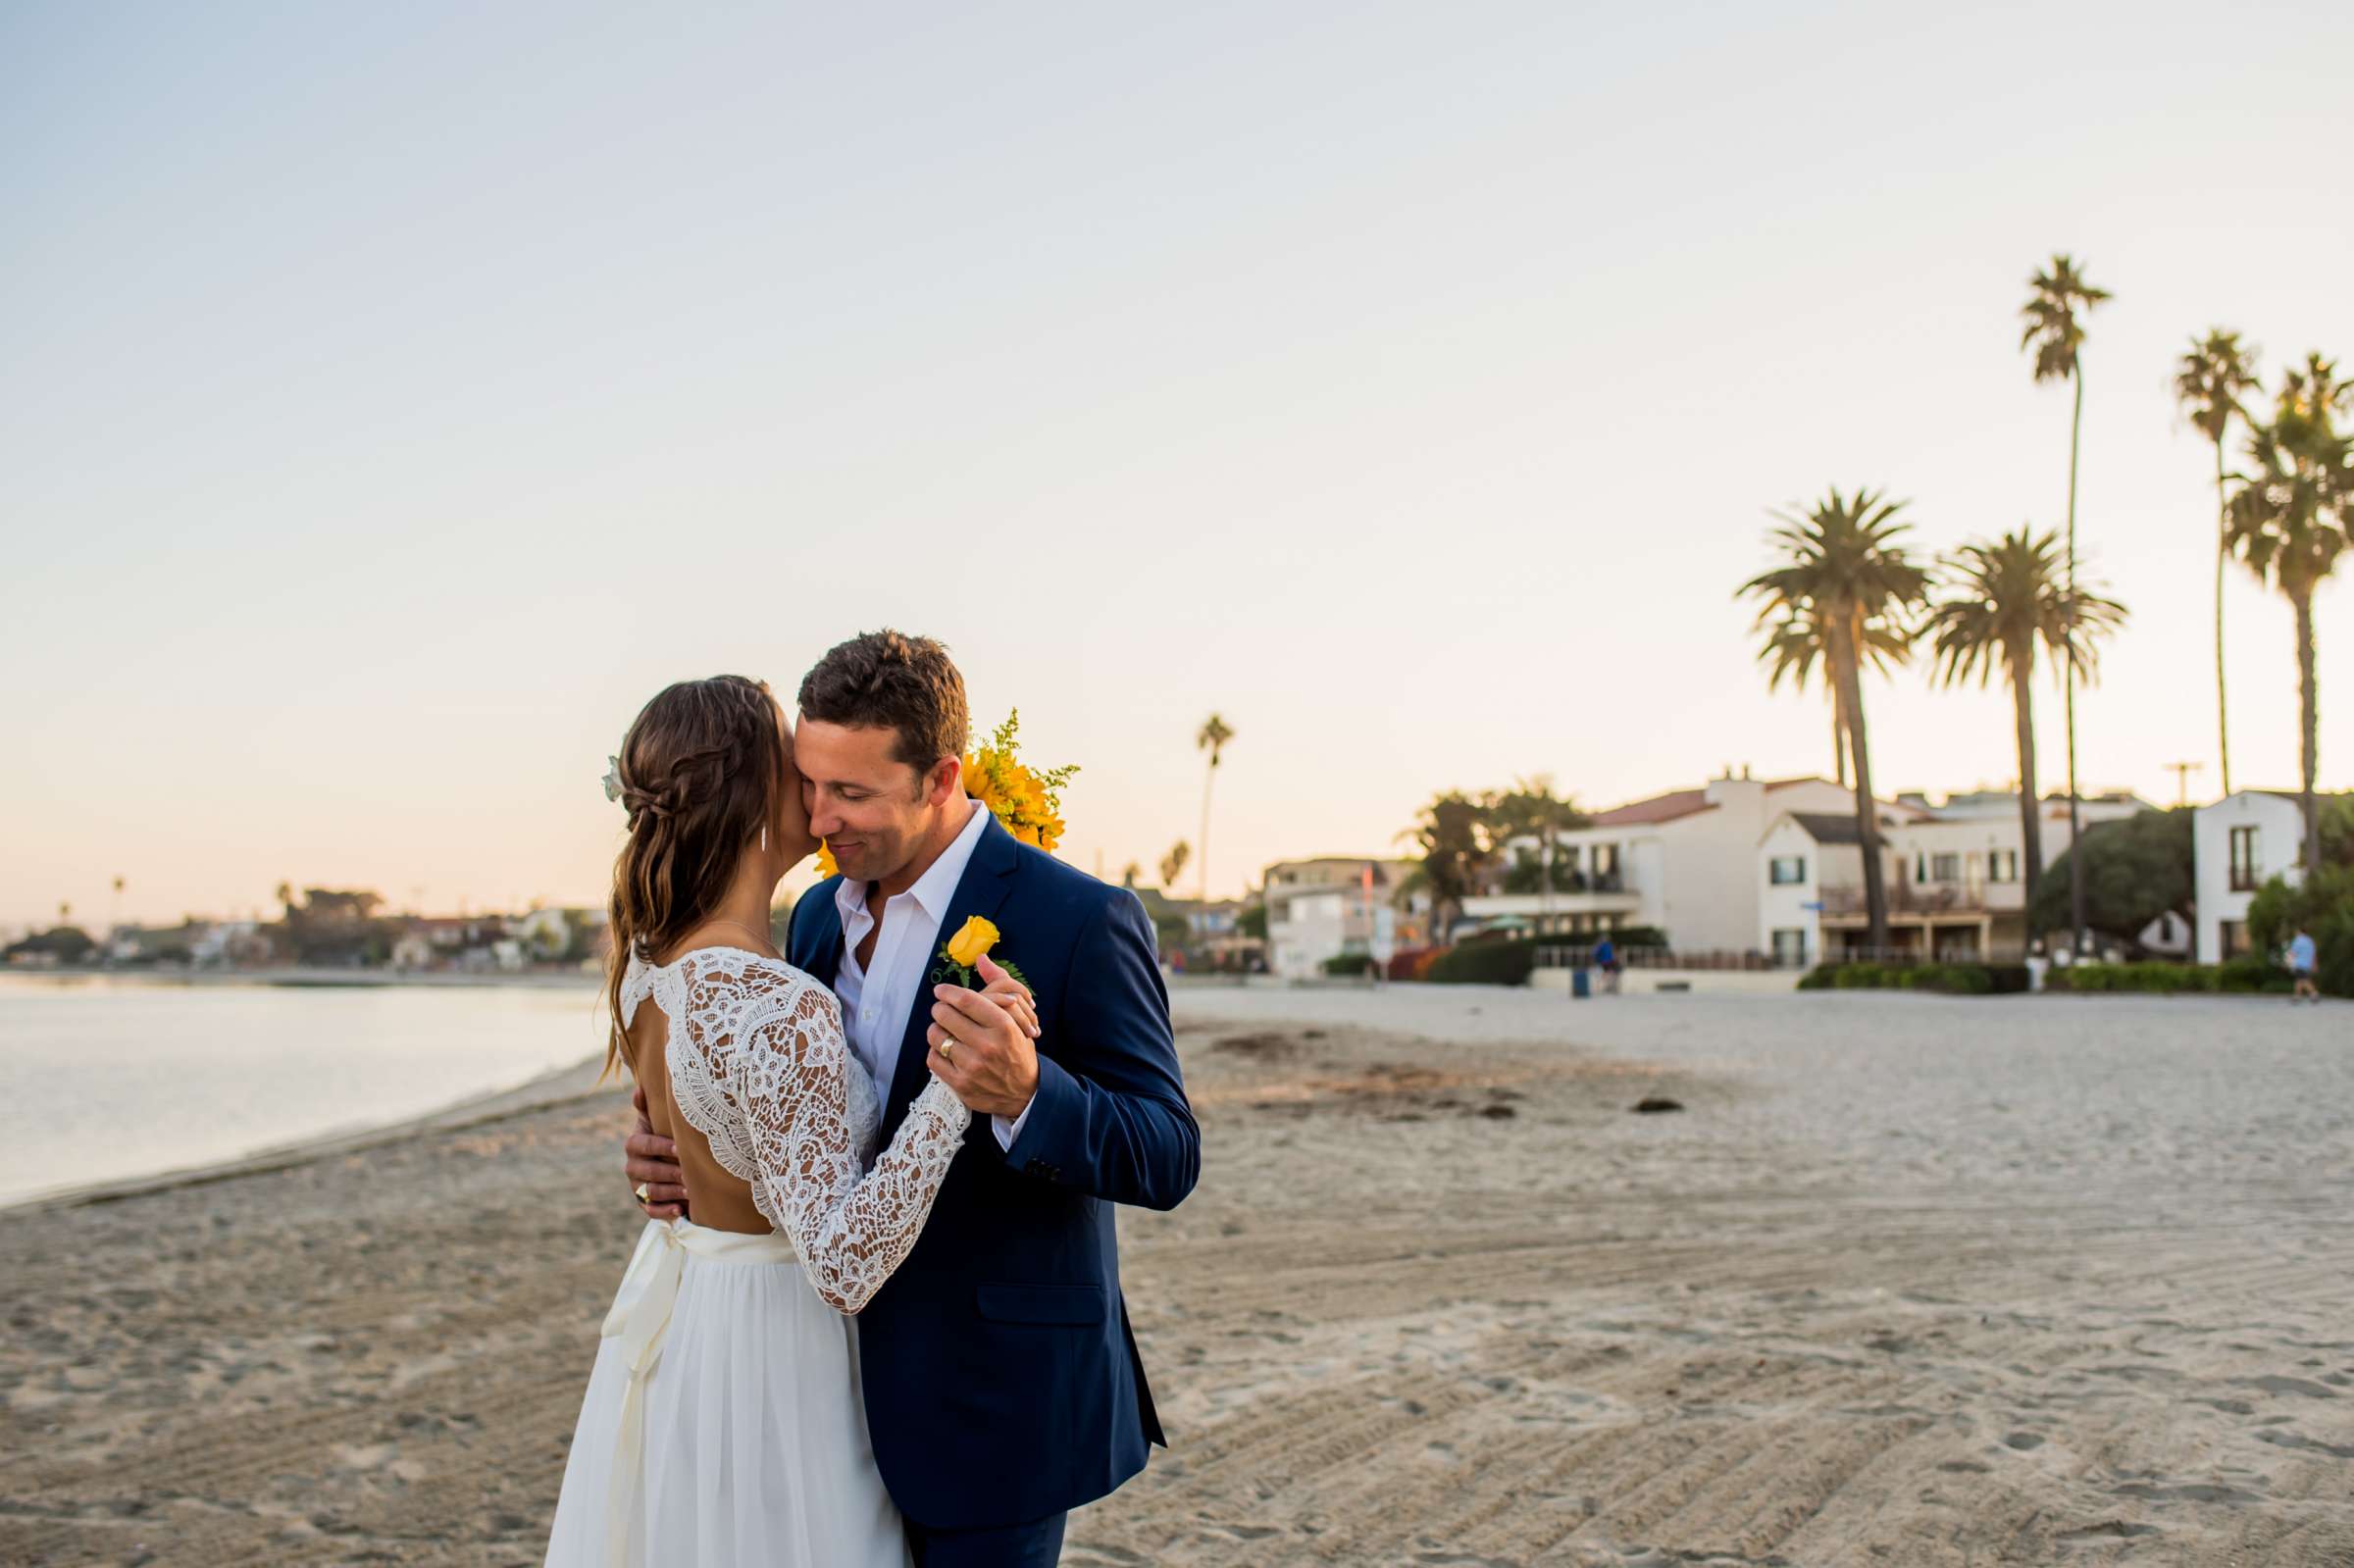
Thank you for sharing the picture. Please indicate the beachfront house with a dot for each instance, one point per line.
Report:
(1682, 862)
(1953, 874)
(2239, 843)
(1337, 905)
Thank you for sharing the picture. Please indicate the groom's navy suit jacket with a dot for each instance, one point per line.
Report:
(1002, 1381)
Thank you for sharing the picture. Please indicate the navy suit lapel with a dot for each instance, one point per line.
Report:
(982, 890)
(817, 947)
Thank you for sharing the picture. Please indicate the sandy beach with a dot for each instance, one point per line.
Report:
(1906, 1281)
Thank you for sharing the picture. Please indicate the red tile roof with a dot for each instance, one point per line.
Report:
(1677, 803)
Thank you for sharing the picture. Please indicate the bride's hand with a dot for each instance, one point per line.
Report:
(1014, 996)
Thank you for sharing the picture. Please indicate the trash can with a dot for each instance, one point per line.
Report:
(1581, 983)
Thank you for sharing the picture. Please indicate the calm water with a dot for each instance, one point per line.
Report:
(110, 1079)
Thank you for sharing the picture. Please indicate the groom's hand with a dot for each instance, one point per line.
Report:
(653, 1162)
(988, 1060)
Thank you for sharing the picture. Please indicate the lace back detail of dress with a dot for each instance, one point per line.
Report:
(758, 1065)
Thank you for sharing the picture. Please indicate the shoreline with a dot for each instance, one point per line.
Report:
(316, 979)
(559, 1086)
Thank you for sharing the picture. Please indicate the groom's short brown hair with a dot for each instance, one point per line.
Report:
(889, 681)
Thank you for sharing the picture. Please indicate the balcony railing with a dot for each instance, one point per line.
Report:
(1569, 956)
(1931, 898)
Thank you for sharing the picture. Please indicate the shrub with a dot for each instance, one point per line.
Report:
(1343, 964)
(1490, 963)
(2241, 976)
(1407, 963)
(1955, 979)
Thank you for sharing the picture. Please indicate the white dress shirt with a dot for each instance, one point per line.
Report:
(876, 1002)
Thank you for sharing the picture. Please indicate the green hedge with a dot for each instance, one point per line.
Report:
(1349, 964)
(2238, 976)
(1509, 960)
(1954, 980)
(1491, 963)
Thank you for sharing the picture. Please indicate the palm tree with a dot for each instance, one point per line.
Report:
(1531, 809)
(1457, 837)
(2055, 301)
(1173, 865)
(1842, 567)
(2006, 597)
(1211, 737)
(2210, 378)
(1794, 644)
(2289, 521)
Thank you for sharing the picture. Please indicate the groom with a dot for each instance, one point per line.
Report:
(1002, 1383)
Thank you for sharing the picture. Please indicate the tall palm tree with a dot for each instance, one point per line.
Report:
(1211, 737)
(2210, 378)
(2057, 299)
(1797, 640)
(2289, 521)
(2003, 599)
(1843, 567)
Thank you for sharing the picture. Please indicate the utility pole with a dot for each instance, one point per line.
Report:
(2182, 772)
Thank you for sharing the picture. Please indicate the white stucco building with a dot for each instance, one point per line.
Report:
(2241, 841)
(1684, 863)
(1955, 876)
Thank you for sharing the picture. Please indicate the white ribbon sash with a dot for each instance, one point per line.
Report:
(641, 1320)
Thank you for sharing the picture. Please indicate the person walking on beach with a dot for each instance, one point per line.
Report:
(1605, 959)
(997, 1376)
(2303, 959)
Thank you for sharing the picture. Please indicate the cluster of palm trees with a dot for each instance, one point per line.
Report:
(1850, 591)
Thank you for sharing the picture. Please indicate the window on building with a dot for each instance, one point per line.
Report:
(2235, 939)
(1790, 949)
(2002, 865)
(1785, 871)
(2244, 860)
(1945, 868)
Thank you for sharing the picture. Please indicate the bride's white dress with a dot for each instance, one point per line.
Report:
(723, 1423)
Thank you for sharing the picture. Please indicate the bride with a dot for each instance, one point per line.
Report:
(723, 1423)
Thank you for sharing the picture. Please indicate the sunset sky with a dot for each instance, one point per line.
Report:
(392, 398)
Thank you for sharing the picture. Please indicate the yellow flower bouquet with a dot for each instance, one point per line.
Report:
(1027, 802)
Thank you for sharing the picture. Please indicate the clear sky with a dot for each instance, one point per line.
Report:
(392, 398)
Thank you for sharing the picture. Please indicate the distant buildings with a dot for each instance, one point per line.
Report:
(1337, 905)
(1682, 862)
(1954, 875)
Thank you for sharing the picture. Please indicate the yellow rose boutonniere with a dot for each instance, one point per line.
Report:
(968, 944)
(961, 954)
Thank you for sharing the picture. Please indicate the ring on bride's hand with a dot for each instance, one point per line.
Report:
(947, 1050)
(644, 1196)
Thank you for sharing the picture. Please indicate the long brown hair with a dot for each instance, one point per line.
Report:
(699, 771)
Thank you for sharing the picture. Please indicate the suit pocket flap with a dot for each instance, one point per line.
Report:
(1040, 1303)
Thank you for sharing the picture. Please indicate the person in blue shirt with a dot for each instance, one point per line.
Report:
(2301, 959)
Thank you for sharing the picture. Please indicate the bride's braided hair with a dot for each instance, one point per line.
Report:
(699, 771)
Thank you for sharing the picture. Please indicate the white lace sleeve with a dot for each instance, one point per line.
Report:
(792, 1085)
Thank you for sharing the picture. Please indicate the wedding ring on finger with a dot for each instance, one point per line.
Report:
(644, 1196)
(947, 1050)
